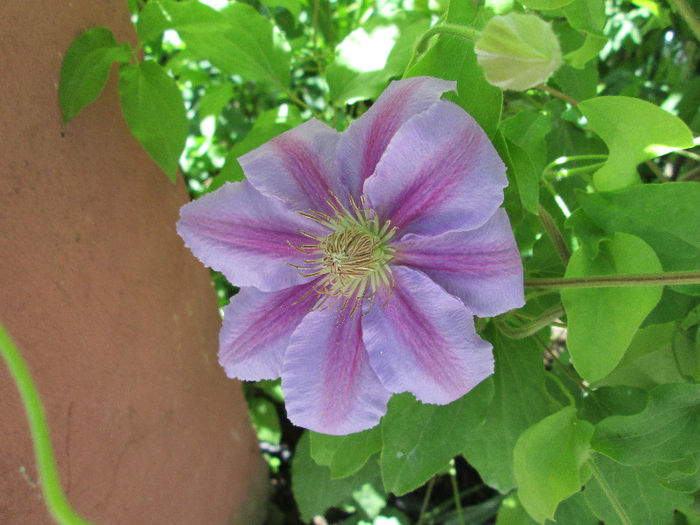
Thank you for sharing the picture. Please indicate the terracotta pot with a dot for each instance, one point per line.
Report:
(116, 319)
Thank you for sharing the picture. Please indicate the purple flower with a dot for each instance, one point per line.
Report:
(362, 258)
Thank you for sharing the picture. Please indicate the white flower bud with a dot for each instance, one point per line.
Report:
(518, 51)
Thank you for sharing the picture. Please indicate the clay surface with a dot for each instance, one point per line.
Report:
(117, 321)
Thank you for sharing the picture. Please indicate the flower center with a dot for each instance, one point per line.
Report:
(353, 260)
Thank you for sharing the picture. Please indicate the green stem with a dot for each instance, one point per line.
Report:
(464, 32)
(558, 94)
(688, 154)
(606, 281)
(610, 494)
(565, 371)
(299, 102)
(436, 512)
(50, 482)
(426, 499)
(532, 327)
(687, 13)
(581, 169)
(455, 491)
(554, 234)
(656, 171)
(574, 158)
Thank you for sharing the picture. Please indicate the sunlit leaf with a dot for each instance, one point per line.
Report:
(237, 39)
(586, 15)
(550, 470)
(155, 113)
(634, 131)
(545, 4)
(85, 69)
(602, 321)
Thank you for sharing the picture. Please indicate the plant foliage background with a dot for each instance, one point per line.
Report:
(593, 413)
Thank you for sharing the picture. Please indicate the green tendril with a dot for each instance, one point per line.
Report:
(50, 483)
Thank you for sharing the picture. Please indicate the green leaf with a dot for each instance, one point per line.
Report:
(512, 512)
(634, 131)
(347, 86)
(636, 491)
(588, 51)
(586, 15)
(575, 511)
(525, 133)
(373, 53)
(526, 177)
(315, 491)
(476, 96)
(454, 59)
(152, 21)
(567, 139)
(85, 69)
(615, 312)
(155, 113)
(545, 4)
(545, 261)
(214, 100)
(588, 232)
(657, 354)
(263, 415)
(673, 306)
(419, 440)
(519, 402)
(293, 6)
(237, 39)
(613, 400)
(528, 129)
(682, 475)
(667, 430)
(345, 455)
(268, 125)
(550, 470)
(664, 215)
(578, 83)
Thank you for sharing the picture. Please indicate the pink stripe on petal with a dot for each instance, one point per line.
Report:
(364, 142)
(257, 328)
(423, 341)
(440, 173)
(328, 383)
(297, 167)
(246, 235)
(482, 266)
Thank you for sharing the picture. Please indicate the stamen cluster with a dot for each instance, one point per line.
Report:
(353, 259)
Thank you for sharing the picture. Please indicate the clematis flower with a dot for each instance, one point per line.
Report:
(362, 258)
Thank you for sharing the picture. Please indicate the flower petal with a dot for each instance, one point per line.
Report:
(297, 167)
(328, 383)
(423, 341)
(257, 328)
(439, 173)
(482, 267)
(245, 235)
(363, 143)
